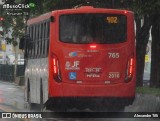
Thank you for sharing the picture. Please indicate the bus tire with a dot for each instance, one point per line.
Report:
(31, 105)
(41, 98)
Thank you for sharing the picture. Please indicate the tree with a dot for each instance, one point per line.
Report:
(150, 9)
(17, 24)
(155, 64)
(142, 36)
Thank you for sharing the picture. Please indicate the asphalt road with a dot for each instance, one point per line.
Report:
(12, 100)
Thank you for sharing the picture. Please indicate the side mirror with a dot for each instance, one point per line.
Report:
(25, 41)
(52, 18)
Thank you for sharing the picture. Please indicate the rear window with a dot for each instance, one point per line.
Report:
(93, 28)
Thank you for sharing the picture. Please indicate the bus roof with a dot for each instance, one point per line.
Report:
(80, 9)
(39, 18)
(84, 8)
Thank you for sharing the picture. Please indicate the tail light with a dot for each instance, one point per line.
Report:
(56, 69)
(93, 46)
(129, 72)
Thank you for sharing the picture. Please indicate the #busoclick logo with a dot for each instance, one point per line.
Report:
(2, 2)
(32, 5)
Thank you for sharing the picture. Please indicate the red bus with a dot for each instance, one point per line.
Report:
(81, 54)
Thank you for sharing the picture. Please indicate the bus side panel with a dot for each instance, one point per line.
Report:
(52, 85)
(44, 77)
(30, 74)
(37, 71)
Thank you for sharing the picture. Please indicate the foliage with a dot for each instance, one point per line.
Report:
(11, 41)
(147, 7)
(150, 11)
(148, 90)
(8, 40)
(17, 23)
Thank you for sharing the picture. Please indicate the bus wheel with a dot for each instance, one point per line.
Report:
(30, 105)
(42, 106)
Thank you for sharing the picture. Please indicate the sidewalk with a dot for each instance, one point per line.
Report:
(12, 95)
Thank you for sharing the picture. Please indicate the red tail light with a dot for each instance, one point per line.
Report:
(129, 72)
(93, 46)
(56, 69)
(125, 12)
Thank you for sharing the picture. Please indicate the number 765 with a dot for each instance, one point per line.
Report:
(113, 55)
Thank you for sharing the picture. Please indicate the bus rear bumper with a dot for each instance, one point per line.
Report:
(90, 102)
(121, 90)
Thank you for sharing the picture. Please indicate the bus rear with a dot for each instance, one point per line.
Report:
(92, 54)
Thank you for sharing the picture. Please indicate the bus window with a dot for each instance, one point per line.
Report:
(42, 28)
(48, 32)
(93, 28)
(30, 45)
(39, 39)
(33, 42)
(45, 39)
(40, 48)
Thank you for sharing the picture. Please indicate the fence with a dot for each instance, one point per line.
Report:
(7, 72)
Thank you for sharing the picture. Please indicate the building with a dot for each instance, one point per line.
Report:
(8, 51)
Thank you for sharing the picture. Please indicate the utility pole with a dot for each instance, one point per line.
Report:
(16, 59)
